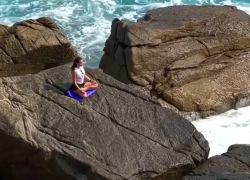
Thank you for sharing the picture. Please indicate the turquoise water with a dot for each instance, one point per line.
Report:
(87, 25)
(87, 22)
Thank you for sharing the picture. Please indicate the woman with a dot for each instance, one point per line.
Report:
(79, 77)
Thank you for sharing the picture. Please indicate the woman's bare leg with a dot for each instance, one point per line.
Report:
(90, 85)
(80, 93)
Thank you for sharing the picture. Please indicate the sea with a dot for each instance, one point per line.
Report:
(87, 25)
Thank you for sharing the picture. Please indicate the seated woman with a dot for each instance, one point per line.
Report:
(79, 77)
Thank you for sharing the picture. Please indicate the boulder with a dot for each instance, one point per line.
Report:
(117, 133)
(31, 46)
(192, 57)
(233, 165)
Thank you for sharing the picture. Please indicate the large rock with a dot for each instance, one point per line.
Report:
(233, 165)
(194, 57)
(31, 46)
(116, 134)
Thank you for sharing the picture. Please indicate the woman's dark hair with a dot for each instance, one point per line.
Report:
(76, 61)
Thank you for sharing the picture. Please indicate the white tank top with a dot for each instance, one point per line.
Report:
(80, 72)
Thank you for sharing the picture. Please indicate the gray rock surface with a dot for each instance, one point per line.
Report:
(233, 165)
(116, 134)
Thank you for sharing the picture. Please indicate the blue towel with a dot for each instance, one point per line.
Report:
(70, 93)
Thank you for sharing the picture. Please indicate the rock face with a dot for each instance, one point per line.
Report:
(233, 165)
(195, 58)
(116, 134)
(31, 46)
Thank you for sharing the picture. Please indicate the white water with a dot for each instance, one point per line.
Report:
(221, 131)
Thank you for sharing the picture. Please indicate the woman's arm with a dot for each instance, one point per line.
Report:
(87, 78)
(74, 79)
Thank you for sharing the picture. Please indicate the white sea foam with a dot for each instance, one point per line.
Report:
(221, 131)
(86, 24)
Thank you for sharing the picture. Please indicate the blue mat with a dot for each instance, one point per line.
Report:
(70, 93)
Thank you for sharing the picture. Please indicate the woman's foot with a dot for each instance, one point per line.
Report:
(84, 94)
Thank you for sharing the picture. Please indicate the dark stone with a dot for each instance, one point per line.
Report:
(118, 133)
(233, 165)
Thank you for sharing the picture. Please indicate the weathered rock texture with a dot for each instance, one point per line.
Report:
(195, 58)
(117, 133)
(233, 165)
(31, 46)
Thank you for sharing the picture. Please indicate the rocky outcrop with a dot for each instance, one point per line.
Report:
(31, 46)
(116, 134)
(195, 58)
(233, 165)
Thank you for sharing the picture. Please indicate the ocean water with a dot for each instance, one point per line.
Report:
(231, 127)
(87, 25)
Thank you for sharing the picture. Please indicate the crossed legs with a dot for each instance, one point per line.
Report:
(90, 85)
(87, 86)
